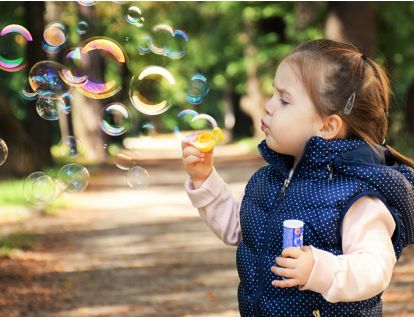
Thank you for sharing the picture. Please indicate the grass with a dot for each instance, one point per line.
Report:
(11, 193)
(17, 241)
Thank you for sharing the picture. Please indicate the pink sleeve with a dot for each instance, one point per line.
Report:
(217, 207)
(365, 268)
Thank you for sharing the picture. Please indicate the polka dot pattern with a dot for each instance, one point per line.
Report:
(328, 179)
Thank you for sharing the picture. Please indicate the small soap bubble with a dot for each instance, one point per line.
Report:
(55, 34)
(26, 92)
(150, 91)
(123, 161)
(86, 3)
(147, 129)
(197, 89)
(73, 178)
(45, 80)
(82, 27)
(116, 119)
(4, 152)
(143, 41)
(133, 15)
(69, 147)
(48, 107)
(138, 177)
(38, 187)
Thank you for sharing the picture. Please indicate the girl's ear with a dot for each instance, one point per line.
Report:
(333, 127)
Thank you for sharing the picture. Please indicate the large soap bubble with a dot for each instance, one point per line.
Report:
(45, 80)
(15, 38)
(101, 90)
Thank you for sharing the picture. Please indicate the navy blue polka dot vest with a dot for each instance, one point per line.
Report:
(328, 179)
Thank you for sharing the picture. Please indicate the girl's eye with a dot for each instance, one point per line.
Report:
(283, 102)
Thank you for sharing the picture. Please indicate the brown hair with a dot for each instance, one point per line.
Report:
(331, 73)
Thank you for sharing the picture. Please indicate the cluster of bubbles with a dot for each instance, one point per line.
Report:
(163, 41)
(39, 187)
(150, 92)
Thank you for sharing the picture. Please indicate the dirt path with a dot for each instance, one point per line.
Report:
(125, 253)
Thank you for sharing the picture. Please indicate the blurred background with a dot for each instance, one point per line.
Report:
(94, 97)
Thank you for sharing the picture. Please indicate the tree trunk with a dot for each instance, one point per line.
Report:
(252, 101)
(20, 160)
(352, 22)
(87, 112)
(38, 129)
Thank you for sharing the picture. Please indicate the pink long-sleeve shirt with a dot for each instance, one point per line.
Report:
(365, 268)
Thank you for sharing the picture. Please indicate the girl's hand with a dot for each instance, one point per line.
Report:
(295, 265)
(196, 163)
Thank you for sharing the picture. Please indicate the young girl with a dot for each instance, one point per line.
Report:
(329, 166)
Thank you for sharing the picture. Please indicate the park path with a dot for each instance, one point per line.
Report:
(118, 252)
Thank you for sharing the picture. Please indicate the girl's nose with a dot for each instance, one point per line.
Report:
(267, 107)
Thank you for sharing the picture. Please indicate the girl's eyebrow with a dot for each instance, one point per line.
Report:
(281, 90)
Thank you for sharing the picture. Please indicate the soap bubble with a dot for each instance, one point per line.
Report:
(66, 106)
(74, 74)
(101, 90)
(73, 178)
(48, 107)
(13, 40)
(86, 3)
(82, 27)
(26, 92)
(143, 41)
(55, 34)
(166, 41)
(69, 147)
(44, 79)
(184, 123)
(200, 130)
(38, 187)
(138, 177)
(133, 16)
(146, 129)
(116, 119)
(43, 188)
(4, 152)
(151, 90)
(123, 161)
(197, 89)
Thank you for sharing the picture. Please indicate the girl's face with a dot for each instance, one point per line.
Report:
(291, 118)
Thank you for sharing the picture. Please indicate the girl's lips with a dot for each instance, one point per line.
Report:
(264, 126)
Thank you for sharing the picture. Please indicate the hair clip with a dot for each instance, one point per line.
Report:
(364, 57)
(349, 104)
(384, 143)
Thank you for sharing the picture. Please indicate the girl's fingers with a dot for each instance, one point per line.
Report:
(285, 262)
(290, 282)
(280, 271)
(189, 150)
(292, 252)
(191, 159)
